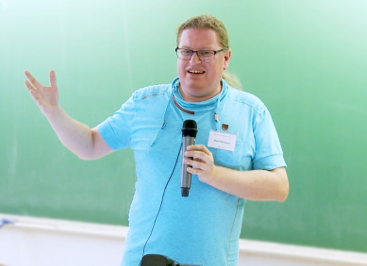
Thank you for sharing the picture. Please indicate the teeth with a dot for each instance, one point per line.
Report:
(196, 71)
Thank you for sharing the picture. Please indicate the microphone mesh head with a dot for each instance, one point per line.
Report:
(189, 128)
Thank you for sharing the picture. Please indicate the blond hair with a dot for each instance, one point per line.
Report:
(210, 22)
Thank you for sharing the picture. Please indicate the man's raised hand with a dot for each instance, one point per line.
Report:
(47, 98)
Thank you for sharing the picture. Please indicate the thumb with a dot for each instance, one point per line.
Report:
(53, 79)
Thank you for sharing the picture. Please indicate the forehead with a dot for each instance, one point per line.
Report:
(199, 39)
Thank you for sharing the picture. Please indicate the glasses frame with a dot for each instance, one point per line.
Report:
(197, 53)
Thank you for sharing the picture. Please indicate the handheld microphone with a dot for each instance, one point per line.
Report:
(189, 130)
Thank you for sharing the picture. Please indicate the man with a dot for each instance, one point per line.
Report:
(203, 228)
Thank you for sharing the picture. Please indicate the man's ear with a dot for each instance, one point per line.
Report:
(227, 56)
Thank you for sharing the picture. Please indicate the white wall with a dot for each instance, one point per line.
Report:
(44, 242)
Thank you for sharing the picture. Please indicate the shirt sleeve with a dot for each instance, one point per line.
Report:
(116, 129)
(268, 153)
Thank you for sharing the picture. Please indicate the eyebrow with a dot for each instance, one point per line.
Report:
(201, 49)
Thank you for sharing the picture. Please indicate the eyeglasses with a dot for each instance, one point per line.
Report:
(204, 55)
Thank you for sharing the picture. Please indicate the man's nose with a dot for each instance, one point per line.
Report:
(195, 57)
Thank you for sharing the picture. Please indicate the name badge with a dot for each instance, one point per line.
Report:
(221, 140)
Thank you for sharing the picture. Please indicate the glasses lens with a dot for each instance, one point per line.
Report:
(206, 55)
(184, 53)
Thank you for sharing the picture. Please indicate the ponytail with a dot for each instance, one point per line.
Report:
(232, 80)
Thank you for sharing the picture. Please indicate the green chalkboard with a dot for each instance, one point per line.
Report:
(307, 60)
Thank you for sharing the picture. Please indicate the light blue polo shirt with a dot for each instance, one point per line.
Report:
(203, 228)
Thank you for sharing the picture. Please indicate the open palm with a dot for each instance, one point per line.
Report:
(47, 98)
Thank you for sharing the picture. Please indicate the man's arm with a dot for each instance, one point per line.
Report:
(85, 142)
(259, 185)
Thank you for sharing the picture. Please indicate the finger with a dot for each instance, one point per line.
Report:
(32, 80)
(33, 92)
(31, 88)
(53, 79)
(28, 85)
(195, 164)
(196, 147)
(194, 171)
(197, 154)
(199, 147)
(198, 159)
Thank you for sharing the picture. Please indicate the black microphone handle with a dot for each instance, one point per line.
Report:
(185, 176)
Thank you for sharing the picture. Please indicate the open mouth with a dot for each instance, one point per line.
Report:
(196, 72)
